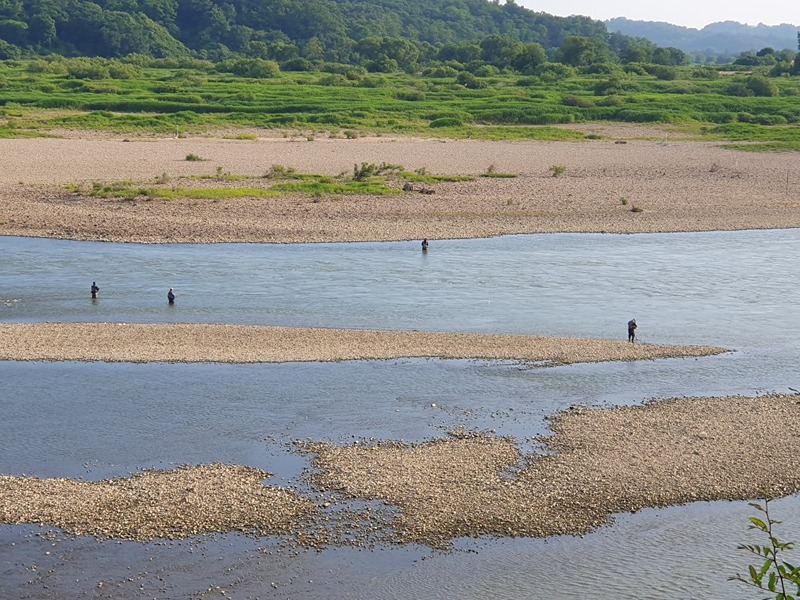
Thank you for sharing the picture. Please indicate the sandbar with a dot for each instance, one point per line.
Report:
(191, 343)
(639, 186)
(598, 462)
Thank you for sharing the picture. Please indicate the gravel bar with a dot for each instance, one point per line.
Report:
(180, 503)
(598, 462)
(124, 342)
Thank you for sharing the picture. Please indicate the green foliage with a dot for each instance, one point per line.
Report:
(322, 187)
(280, 172)
(191, 157)
(366, 170)
(446, 122)
(491, 175)
(761, 86)
(255, 68)
(193, 96)
(557, 170)
(774, 574)
(469, 81)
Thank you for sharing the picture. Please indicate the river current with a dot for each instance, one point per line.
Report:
(98, 420)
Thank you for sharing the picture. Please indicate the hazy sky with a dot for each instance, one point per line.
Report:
(690, 13)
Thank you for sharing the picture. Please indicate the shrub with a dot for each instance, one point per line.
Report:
(9, 51)
(470, 81)
(297, 64)
(119, 70)
(367, 170)
(635, 69)
(577, 101)
(279, 172)
(372, 81)
(612, 85)
(599, 69)
(194, 157)
(554, 72)
(662, 71)
(484, 70)
(410, 96)
(761, 86)
(255, 68)
(557, 170)
(334, 80)
(738, 88)
(611, 101)
(446, 122)
(771, 120)
(440, 71)
(85, 68)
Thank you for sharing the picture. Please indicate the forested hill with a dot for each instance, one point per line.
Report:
(273, 29)
(726, 37)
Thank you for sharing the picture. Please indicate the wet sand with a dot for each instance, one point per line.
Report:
(118, 342)
(673, 185)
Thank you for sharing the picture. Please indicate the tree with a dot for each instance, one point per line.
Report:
(579, 51)
(499, 50)
(380, 50)
(636, 54)
(531, 56)
(671, 57)
(462, 52)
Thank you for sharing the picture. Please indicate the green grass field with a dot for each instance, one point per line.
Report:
(38, 96)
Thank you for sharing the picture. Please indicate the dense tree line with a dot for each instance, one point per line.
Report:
(378, 35)
(346, 31)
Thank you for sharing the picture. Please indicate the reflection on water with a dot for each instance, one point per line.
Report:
(101, 420)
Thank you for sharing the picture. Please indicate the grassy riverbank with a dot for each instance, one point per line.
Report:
(40, 96)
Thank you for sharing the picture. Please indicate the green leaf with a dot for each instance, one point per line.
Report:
(754, 576)
(759, 523)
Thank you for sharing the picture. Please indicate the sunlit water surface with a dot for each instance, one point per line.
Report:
(103, 420)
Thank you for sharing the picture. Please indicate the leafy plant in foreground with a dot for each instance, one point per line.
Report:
(775, 574)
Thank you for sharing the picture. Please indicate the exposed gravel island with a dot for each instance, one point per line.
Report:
(598, 462)
(121, 342)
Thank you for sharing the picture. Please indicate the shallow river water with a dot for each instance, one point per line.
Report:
(102, 420)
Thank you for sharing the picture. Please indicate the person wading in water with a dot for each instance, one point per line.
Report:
(631, 330)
